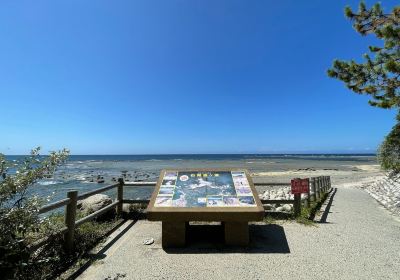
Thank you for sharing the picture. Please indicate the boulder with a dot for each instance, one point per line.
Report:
(126, 207)
(94, 203)
(269, 207)
(287, 207)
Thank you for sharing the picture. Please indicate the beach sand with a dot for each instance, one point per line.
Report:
(352, 175)
(344, 176)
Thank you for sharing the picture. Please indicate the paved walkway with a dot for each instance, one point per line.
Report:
(357, 239)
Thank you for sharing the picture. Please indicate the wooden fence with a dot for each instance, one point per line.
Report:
(318, 186)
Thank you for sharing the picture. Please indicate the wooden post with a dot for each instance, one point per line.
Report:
(120, 196)
(329, 182)
(321, 187)
(317, 188)
(325, 184)
(313, 188)
(321, 180)
(297, 204)
(308, 194)
(305, 202)
(70, 214)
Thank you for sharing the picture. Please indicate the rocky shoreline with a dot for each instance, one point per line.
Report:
(278, 193)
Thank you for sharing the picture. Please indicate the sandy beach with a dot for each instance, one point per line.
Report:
(343, 175)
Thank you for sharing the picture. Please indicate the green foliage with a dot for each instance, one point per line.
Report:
(389, 151)
(304, 218)
(51, 259)
(379, 75)
(19, 217)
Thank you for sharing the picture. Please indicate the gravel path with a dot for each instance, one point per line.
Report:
(358, 239)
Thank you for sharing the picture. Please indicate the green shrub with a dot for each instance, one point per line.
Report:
(389, 151)
(19, 212)
(51, 259)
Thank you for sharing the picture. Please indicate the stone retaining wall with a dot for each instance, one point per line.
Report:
(387, 192)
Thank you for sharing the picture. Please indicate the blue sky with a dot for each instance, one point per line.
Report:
(150, 77)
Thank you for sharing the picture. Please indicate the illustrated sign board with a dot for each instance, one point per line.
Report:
(205, 189)
(198, 194)
(300, 186)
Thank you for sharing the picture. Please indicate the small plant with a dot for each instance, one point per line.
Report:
(268, 219)
(304, 217)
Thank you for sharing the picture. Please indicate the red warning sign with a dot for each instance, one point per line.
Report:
(300, 185)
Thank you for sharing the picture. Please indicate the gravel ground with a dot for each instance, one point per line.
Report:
(357, 239)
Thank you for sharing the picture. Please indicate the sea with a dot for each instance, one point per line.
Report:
(88, 172)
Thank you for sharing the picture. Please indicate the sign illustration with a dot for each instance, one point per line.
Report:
(205, 189)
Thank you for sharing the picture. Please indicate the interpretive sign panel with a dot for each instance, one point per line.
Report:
(300, 186)
(205, 189)
(225, 195)
(205, 194)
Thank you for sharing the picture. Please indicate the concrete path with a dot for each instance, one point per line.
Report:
(357, 239)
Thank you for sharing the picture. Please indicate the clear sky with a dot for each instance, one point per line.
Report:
(150, 77)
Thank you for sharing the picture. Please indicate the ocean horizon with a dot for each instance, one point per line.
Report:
(213, 156)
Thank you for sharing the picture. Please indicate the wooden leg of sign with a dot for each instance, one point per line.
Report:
(173, 234)
(236, 233)
(297, 204)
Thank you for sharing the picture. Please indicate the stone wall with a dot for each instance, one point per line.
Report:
(386, 191)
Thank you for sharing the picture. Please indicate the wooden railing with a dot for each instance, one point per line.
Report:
(318, 186)
(70, 212)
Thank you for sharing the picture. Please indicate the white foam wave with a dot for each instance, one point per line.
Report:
(48, 183)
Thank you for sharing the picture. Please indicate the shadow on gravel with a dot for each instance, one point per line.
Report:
(209, 239)
(100, 255)
(326, 212)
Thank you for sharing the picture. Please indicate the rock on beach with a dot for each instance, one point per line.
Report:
(281, 193)
(94, 203)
